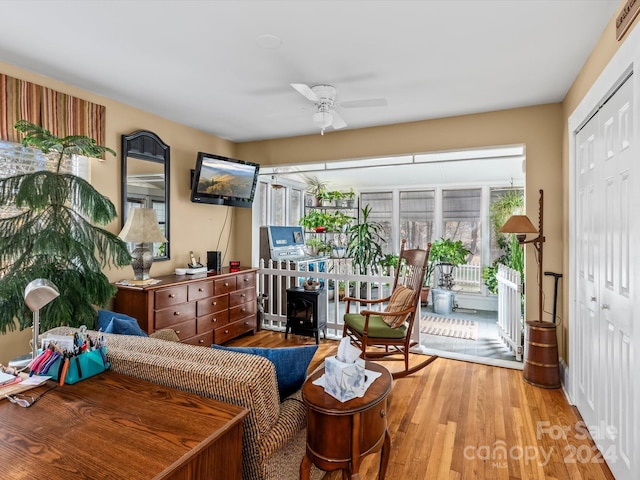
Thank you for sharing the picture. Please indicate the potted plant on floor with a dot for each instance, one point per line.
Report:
(448, 254)
(56, 235)
(364, 243)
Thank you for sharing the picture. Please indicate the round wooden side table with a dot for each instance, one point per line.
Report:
(340, 434)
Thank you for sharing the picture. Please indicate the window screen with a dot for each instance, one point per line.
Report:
(416, 217)
(381, 204)
(462, 221)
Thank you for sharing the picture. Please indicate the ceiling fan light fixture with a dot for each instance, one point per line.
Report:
(322, 120)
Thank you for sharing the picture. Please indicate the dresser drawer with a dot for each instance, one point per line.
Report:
(214, 304)
(185, 330)
(246, 280)
(170, 296)
(224, 334)
(242, 296)
(224, 285)
(199, 290)
(241, 311)
(204, 340)
(171, 316)
(212, 321)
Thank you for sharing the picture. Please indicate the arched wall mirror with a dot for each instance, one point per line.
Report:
(145, 181)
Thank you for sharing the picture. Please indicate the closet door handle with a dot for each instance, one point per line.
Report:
(593, 299)
(605, 306)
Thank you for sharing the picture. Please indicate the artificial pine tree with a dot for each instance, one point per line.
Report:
(57, 236)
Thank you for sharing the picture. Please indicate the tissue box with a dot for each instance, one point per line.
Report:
(344, 381)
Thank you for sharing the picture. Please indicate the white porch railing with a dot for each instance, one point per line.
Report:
(509, 309)
(275, 277)
(339, 280)
(468, 278)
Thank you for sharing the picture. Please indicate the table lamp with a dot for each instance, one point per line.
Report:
(37, 294)
(142, 228)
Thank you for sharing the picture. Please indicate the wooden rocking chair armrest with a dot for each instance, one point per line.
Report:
(390, 314)
(366, 300)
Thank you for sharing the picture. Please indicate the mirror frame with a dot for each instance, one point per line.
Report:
(146, 145)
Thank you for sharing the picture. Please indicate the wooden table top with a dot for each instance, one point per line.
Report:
(108, 426)
(318, 399)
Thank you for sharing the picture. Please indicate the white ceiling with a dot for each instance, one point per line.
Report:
(198, 63)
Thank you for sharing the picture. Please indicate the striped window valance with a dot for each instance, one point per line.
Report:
(59, 113)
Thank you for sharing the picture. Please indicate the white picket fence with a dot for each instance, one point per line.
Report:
(510, 326)
(275, 277)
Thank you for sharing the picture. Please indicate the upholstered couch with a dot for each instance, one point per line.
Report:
(274, 433)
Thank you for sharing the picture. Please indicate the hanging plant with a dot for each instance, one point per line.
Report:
(511, 203)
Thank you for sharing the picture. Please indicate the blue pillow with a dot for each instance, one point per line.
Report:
(291, 364)
(113, 322)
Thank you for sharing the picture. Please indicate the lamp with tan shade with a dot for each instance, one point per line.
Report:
(541, 363)
(142, 228)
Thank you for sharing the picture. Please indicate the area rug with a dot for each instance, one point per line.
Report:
(449, 327)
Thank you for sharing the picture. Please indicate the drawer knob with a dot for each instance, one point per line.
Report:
(383, 413)
(243, 295)
(201, 289)
(243, 310)
(214, 303)
(201, 341)
(172, 295)
(177, 314)
(214, 320)
(246, 279)
(177, 332)
(226, 284)
(226, 331)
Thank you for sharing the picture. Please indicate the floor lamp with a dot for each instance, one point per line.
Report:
(521, 226)
(541, 363)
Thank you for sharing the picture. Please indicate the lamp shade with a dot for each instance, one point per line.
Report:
(518, 224)
(39, 293)
(142, 227)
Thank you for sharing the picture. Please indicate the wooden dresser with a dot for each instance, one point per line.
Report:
(202, 309)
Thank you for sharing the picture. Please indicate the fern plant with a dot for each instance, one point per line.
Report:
(56, 235)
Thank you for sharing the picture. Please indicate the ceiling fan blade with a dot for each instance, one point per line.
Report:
(306, 91)
(337, 122)
(366, 102)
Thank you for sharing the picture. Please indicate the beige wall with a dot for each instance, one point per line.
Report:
(193, 227)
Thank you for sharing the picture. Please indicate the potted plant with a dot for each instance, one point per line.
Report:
(57, 235)
(314, 245)
(348, 198)
(316, 221)
(448, 254)
(338, 221)
(364, 243)
(315, 189)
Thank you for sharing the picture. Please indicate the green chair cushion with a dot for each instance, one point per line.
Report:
(377, 327)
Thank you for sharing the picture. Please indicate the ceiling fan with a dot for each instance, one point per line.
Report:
(324, 99)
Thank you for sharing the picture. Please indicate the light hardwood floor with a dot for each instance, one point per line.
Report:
(458, 420)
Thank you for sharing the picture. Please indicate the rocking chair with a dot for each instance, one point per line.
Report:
(387, 332)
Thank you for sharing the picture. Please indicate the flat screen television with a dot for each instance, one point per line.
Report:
(221, 180)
